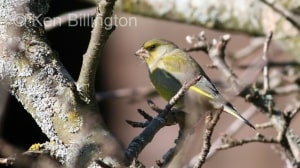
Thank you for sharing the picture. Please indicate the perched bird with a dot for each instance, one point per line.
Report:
(169, 67)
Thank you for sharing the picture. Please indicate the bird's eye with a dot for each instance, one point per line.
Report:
(152, 47)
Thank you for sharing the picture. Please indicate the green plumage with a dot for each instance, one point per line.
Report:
(169, 67)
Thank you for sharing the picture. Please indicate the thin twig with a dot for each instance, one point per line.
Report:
(231, 131)
(138, 143)
(211, 121)
(264, 102)
(271, 64)
(181, 92)
(27, 159)
(292, 18)
(217, 55)
(294, 112)
(199, 43)
(233, 128)
(253, 46)
(7, 161)
(131, 93)
(283, 156)
(67, 18)
(154, 107)
(264, 125)
(103, 164)
(230, 143)
(287, 89)
(137, 124)
(146, 116)
(266, 60)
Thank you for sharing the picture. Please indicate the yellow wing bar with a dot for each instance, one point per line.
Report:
(200, 91)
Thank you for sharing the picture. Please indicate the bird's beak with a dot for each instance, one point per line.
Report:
(142, 53)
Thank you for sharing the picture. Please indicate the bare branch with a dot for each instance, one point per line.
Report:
(131, 93)
(264, 102)
(137, 124)
(139, 142)
(290, 115)
(230, 143)
(141, 124)
(266, 60)
(99, 35)
(181, 92)
(211, 121)
(265, 125)
(292, 18)
(65, 18)
(30, 159)
(287, 89)
(233, 128)
(198, 42)
(283, 156)
(254, 45)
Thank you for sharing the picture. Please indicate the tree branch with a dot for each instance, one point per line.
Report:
(290, 141)
(292, 18)
(66, 18)
(138, 143)
(35, 76)
(230, 143)
(266, 60)
(100, 33)
(211, 121)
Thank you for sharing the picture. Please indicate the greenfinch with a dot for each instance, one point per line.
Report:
(170, 67)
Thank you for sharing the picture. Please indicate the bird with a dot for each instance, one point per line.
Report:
(169, 67)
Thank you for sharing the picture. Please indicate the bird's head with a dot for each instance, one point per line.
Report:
(153, 50)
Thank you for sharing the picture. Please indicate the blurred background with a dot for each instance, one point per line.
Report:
(120, 69)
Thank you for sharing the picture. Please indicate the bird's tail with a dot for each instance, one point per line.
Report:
(228, 108)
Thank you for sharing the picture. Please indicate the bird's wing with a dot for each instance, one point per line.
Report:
(206, 88)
